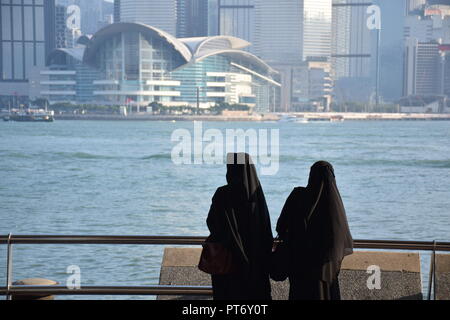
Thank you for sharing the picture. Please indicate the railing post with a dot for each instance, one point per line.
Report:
(431, 278)
(9, 266)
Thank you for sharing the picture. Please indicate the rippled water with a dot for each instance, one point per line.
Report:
(89, 177)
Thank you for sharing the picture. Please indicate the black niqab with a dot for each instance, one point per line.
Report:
(315, 223)
(327, 227)
(242, 199)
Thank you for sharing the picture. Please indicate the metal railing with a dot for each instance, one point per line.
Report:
(15, 290)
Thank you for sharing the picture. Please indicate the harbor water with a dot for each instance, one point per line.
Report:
(118, 178)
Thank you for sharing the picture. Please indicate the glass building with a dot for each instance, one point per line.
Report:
(130, 63)
(161, 14)
(192, 18)
(298, 29)
(235, 18)
(27, 35)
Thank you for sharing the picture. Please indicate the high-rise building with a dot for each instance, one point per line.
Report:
(431, 25)
(445, 66)
(312, 85)
(235, 18)
(291, 31)
(27, 35)
(287, 33)
(156, 13)
(116, 11)
(425, 60)
(341, 20)
(422, 72)
(391, 47)
(61, 30)
(94, 14)
(192, 18)
(414, 5)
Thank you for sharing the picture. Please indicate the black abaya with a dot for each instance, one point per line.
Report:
(242, 199)
(314, 223)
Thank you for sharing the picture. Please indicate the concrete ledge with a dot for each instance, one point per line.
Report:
(387, 261)
(442, 284)
(399, 275)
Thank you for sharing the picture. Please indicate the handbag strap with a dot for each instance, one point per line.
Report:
(236, 235)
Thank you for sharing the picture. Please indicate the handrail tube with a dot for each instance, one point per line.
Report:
(189, 240)
(108, 290)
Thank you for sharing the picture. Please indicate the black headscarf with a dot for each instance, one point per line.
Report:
(247, 200)
(327, 230)
(242, 201)
(315, 223)
(242, 178)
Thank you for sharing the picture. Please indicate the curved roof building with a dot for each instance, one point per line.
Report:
(140, 64)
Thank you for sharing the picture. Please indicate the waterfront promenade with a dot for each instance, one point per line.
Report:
(310, 116)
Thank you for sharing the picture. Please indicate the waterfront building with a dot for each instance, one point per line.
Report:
(27, 35)
(132, 63)
(66, 79)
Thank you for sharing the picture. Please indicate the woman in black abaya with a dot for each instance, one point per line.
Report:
(314, 224)
(252, 239)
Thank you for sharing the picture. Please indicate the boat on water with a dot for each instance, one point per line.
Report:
(30, 115)
(294, 119)
(336, 118)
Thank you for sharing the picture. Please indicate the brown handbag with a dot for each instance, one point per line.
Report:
(216, 259)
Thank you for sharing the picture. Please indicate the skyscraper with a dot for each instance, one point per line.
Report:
(156, 13)
(289, 31)
(412, 5)
(116, 11)
(236, 18)
(422, 71)
(192, 18)
(27, 36)
(93, 13)
(61, 31)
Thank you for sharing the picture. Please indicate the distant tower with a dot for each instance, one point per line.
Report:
(289, 31)
(156, 13)
(27, 35)
(60, 26)
(412, 5)
(422, 68)
(192, 18)
(236, 18)
(116, 11)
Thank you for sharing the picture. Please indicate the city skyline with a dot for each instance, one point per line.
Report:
(287, 35)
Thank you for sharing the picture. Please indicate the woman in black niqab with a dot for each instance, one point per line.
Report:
(314, 223)
(252, 240)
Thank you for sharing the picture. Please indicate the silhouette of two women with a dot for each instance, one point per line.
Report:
(313, 223)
